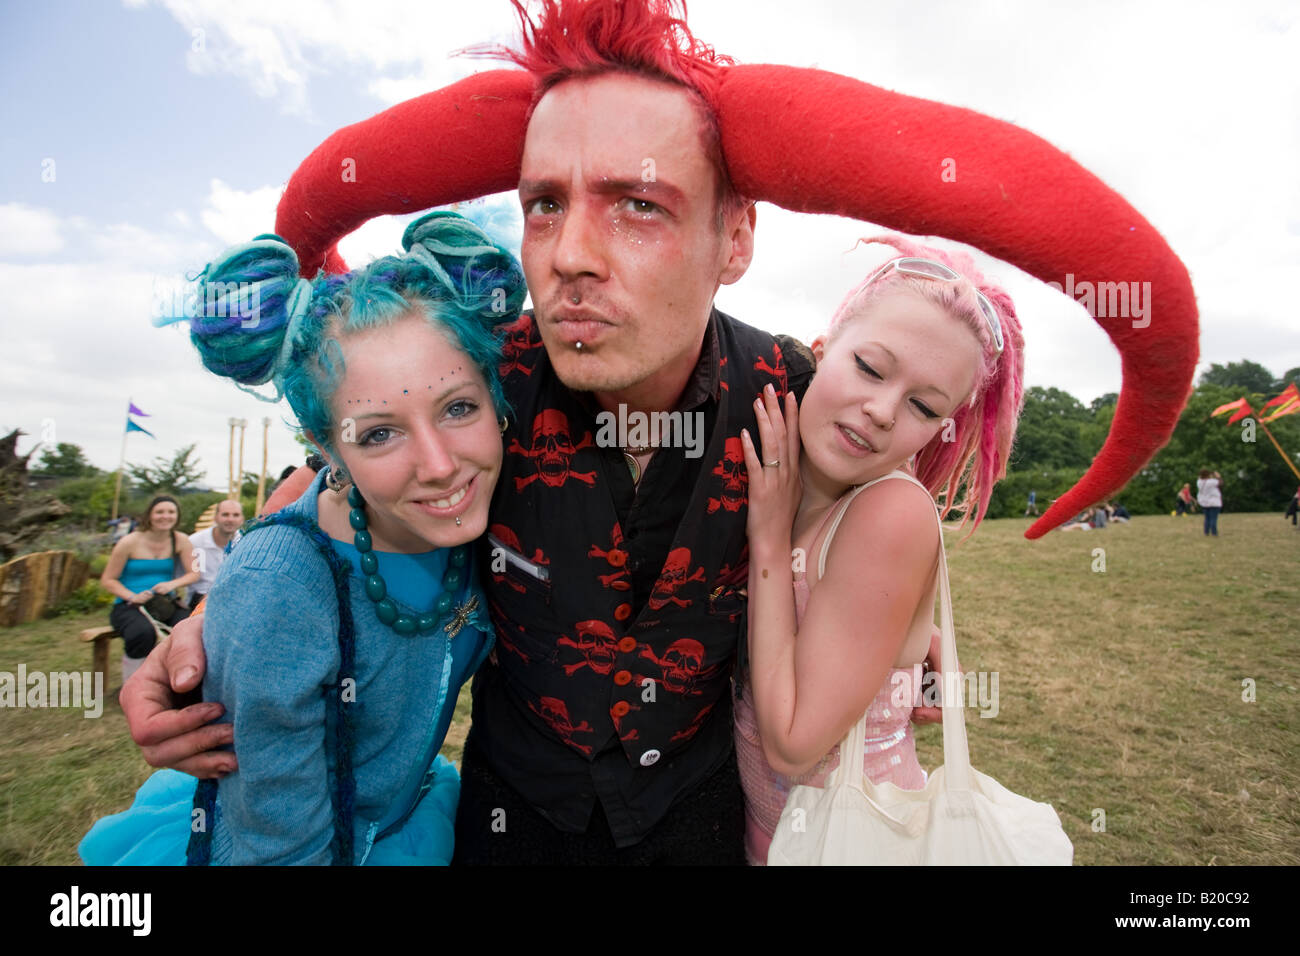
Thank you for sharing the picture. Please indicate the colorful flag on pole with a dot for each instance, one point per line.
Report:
(1231, 406)
(1290, 408)
(133, 427)
(1288, 402)
(132, 410)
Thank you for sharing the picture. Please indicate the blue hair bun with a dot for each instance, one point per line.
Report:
(481, 275)
(245, 301)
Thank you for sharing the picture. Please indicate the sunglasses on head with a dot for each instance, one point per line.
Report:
(929, 269)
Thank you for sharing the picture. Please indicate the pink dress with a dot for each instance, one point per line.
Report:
(889, 755)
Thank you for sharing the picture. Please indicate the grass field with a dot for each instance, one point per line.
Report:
(1120, 691)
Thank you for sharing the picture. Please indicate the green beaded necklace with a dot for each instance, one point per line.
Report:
(377, 590)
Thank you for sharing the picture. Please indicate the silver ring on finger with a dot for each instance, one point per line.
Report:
(774, 463)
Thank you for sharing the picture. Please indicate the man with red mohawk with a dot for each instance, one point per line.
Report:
(602, 730)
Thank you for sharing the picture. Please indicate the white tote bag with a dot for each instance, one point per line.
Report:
(962, 817)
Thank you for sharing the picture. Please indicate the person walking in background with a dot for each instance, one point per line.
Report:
(210, 547)
(1032, 507)
(1293, 508)
(1185, 503)
(1209, 495)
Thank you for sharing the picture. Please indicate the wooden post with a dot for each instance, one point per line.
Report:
(121, 465)
(239, 475)
(230, 471)
(261, 479)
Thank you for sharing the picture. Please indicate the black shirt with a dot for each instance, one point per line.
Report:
(618, 608)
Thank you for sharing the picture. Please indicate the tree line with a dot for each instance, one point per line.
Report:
(1059, 436)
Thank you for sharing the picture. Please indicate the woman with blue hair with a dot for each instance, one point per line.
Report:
(339, 630)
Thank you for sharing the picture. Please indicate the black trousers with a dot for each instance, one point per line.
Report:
(496, 826)
(137, 633)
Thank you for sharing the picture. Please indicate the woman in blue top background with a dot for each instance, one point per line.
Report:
(141, 565)
(392, 373)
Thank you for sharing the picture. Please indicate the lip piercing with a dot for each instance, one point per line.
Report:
(576, 298)
(458, 521)
(577, 346)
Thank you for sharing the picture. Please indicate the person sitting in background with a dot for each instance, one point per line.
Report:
(1118, 512)
(1100, 515)
(1293, 508)
(210, 547)
(1082, 521)
(141, 573)
(1185, 503)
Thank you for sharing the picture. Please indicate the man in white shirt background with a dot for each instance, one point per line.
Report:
(210, 547)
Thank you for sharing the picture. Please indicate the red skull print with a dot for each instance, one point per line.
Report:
(681, 665)
(617, 558)
(556, 714)
(676, 574)
(596, 643)
(552, 450)
(776, 369)
(735, 478)
(516, 347)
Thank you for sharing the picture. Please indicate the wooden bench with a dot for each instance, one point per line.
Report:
(101, 636)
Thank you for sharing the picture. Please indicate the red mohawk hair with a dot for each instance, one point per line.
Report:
(644, 38)
(590, 37)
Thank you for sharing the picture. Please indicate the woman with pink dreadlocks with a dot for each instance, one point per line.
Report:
(919, 379)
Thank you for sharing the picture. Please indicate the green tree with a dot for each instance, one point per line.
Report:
(1101, 401)
(1244, 375)
(65, 460)
(173, 474)
(1051, 433)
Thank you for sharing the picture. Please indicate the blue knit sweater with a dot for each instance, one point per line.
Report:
(271, 638)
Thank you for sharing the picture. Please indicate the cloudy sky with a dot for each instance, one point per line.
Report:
(141, 138)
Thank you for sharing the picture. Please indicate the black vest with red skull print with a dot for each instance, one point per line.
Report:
(579, 661)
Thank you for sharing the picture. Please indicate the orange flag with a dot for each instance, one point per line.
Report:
(1240, 406)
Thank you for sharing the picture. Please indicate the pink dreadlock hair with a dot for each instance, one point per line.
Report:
(645, 38)
(975, 457)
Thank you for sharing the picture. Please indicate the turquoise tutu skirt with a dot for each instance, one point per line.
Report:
(156, 829)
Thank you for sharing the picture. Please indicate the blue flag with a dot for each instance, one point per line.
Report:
(133, 427)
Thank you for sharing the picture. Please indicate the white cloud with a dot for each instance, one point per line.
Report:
(235, 215)
(28, 231)
(277, 47)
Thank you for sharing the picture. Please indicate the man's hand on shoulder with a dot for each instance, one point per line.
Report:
(183, 739)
